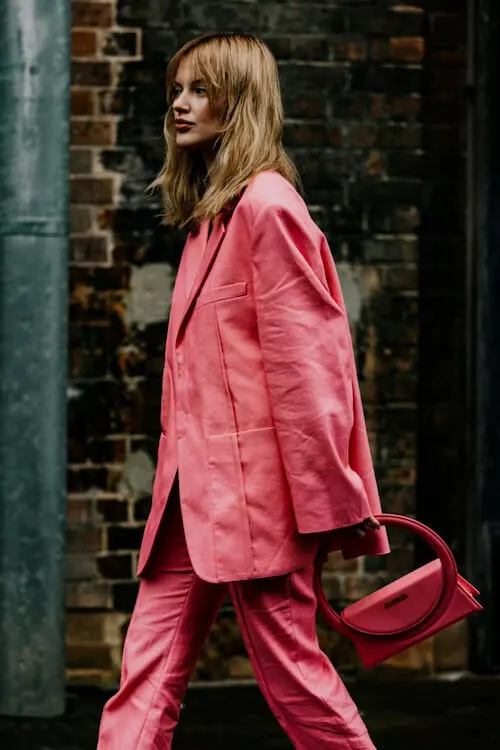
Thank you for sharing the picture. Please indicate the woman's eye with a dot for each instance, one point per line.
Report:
(200, 88)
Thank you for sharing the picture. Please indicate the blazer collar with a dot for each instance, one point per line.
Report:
(209, 247)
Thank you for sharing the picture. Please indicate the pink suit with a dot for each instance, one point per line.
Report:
(262, 419)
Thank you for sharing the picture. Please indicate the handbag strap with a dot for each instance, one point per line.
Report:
(448, 566)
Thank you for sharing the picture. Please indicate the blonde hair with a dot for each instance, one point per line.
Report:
(241, 71)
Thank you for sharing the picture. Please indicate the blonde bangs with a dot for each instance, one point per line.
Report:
(239, 71)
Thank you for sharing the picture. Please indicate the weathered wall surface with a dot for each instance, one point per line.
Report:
(353, 78)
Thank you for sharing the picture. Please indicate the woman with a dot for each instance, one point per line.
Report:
(263, 453)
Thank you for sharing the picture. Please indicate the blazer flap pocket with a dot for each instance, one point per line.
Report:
(218, 293)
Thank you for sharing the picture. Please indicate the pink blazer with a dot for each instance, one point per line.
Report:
(261, 412)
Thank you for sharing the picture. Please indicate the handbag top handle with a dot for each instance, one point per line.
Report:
(448, 566)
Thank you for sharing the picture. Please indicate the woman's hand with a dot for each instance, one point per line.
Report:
(368, 524)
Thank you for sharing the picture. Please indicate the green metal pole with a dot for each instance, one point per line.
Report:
(34, 114)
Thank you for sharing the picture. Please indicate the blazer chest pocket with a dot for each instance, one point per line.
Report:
(219, 293)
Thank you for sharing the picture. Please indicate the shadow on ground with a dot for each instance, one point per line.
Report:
(406, 715)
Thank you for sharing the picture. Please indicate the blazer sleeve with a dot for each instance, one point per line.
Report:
(309, 366)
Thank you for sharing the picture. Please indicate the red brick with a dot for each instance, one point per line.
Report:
(106, 218)
(84, 538)
(82, 102)
(88, 595)
(447, 80)
(81, 566)
(400, 561)
(361, 135)
(379, 49)
(79, 511)
(85, 627)
(407, 49)
(91, 14)
(83, 43)
(356, 587)
(80, 219)
(91, 190)
(400, 135)
(352, 51)
(335, 563)
(379, 107)
(407, 106)
(448, 58)
(447, 29)
(401, 277)
(88, 656)
(304, 133)
(374, 165)
(396, 499)
(402, 475)
(92, 132)
(81, 161)
(451, 647)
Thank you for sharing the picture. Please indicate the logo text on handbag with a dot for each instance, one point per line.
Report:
(396, 600)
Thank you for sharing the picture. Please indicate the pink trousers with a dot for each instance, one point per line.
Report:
(172, 617)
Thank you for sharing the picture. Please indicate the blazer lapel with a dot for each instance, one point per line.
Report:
(209, 251)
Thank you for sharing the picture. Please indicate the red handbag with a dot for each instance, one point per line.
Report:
(407, 610)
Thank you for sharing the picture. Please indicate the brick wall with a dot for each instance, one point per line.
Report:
(353, 78)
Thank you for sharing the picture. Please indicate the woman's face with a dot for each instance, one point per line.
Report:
(190, 104)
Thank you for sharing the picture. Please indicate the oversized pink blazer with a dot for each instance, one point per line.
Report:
(261, 412)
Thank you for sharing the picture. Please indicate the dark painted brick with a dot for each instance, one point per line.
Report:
(81, 219)
(118, 159)
(124, 537)
(400, 22)
(386, 78)
(90, 73)
(88, 250)
(84, 364)
(115, 566)
(111, 450)
(296, 19)
(406, 164)
(80, 161)
(132, 13)
(117, 101)
(124, 596)
(121, 44)
(142, 508)
(112, 511)
(86, 478)
(97, 408)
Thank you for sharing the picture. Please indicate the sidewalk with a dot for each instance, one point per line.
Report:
(405, 715)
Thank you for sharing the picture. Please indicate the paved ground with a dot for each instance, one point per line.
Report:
(407, 715)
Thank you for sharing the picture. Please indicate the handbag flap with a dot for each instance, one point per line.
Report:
(400, 605)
